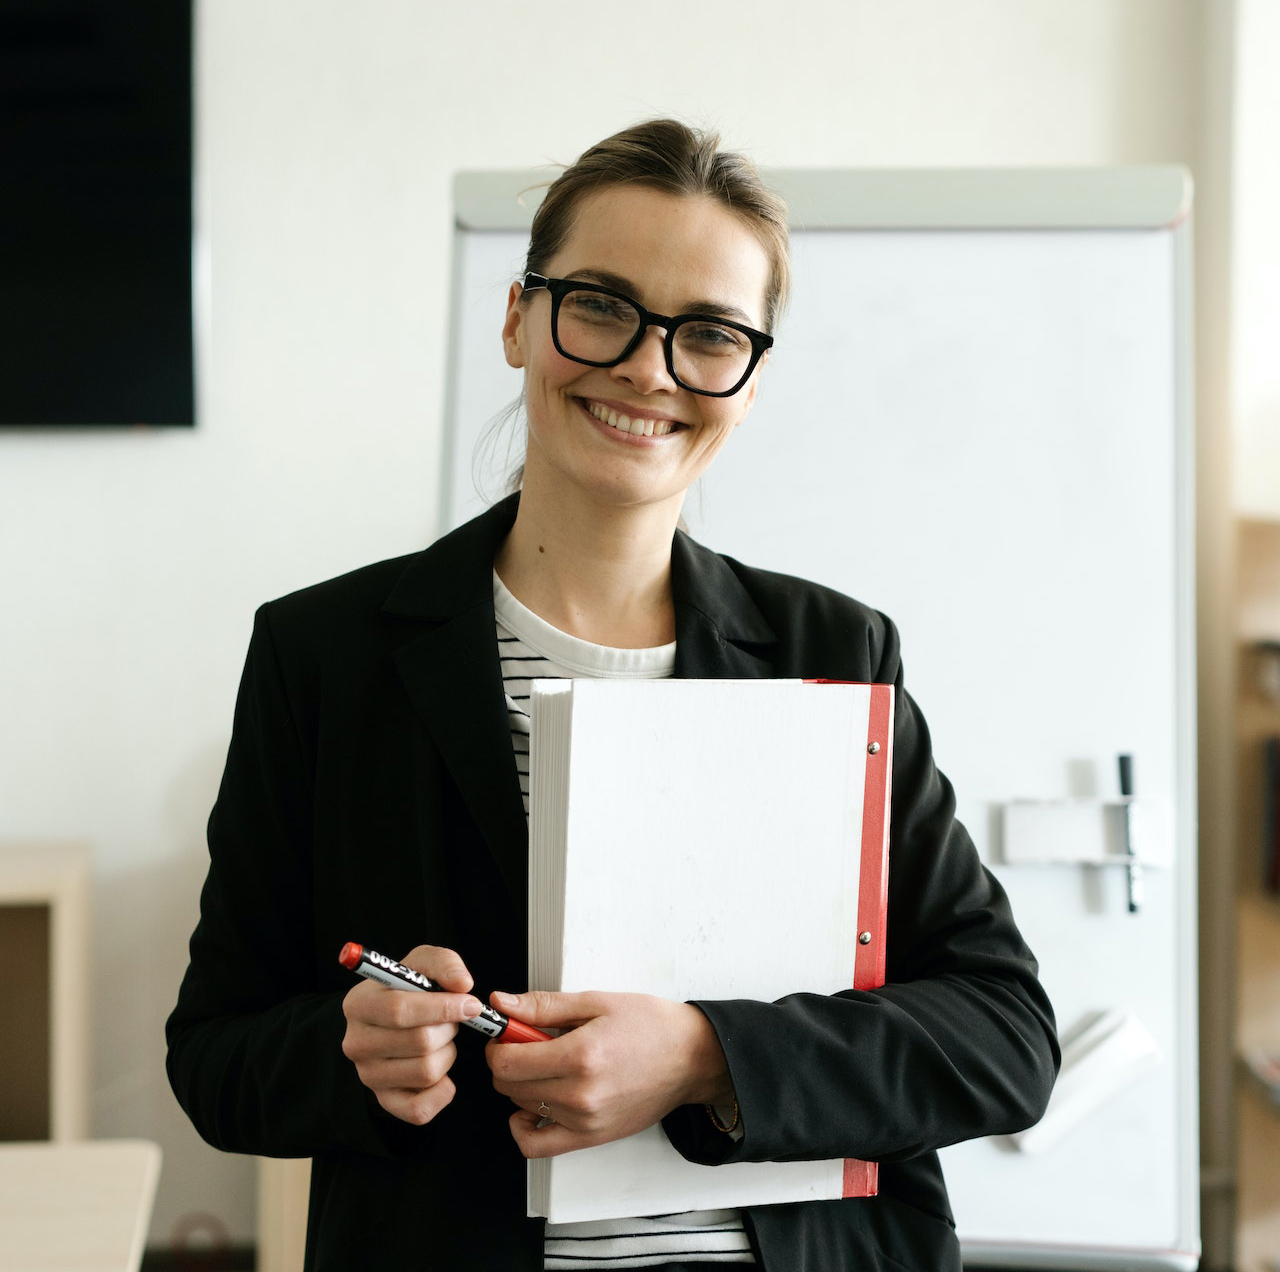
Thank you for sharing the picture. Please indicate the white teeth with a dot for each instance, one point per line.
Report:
(625, 424)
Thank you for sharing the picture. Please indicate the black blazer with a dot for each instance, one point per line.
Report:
(370, 795)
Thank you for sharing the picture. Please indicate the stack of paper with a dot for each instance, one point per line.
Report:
(703, 839)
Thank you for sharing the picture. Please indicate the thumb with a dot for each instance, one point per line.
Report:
(543, 1007)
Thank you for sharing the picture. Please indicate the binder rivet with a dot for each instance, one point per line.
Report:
(873, 748)
(864, 938)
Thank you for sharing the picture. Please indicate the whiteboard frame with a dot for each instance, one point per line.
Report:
(1155, 197)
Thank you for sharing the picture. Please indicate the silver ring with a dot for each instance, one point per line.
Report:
(544, 1109)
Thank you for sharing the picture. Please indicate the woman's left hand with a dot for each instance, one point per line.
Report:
(624, 1062)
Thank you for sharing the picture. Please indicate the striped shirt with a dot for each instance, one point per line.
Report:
(530, 648)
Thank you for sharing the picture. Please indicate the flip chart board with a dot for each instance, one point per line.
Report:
(977, 419)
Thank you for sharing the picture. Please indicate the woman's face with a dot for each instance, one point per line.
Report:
(674, 255)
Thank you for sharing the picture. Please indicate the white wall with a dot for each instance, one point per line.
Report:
(1255, 272)
(327, 136)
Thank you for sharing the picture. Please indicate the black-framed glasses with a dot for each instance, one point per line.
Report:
(600, 327)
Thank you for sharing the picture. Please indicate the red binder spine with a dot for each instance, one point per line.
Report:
(873, 883)
(862, 1179)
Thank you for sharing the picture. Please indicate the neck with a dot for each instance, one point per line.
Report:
(598, 572)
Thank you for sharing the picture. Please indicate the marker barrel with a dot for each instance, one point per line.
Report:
(386, 971)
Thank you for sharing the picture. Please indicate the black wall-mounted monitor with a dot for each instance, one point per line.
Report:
(95, 213)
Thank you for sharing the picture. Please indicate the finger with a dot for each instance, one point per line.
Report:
(418, 1107)
(444, 966)
(532, 1063)
(374, 1042)
(535, 1137)
(529, 1096)
(379, 1005)
(545, 1008)
(412, 1073)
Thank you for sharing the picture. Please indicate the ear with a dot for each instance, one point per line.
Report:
(513, 328)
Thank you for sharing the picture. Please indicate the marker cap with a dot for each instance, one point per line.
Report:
(518, 1031)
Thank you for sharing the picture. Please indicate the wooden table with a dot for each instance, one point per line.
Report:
(81, 1207)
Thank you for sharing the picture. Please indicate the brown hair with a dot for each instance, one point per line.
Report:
(667, 155)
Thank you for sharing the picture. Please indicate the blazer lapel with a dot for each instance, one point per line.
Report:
(453, 679)
(720, 631)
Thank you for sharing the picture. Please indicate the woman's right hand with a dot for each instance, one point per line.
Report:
(401, 1040)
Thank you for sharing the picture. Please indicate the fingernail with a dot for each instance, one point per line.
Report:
(506, 1001)
(472, 1007)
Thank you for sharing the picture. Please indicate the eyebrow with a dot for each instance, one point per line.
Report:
(711, 308)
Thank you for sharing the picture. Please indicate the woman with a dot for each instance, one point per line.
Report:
(372, 788)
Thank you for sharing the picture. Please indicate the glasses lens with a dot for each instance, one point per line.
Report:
(710, 356)
(594, 326)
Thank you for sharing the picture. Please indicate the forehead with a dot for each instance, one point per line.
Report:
(674, 250)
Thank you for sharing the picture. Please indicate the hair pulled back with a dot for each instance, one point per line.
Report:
(669, 156)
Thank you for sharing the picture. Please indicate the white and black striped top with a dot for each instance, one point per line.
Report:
(530, 648)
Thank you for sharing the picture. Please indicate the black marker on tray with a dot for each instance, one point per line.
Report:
(1135, 866)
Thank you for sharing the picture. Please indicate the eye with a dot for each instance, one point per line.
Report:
(596, 307)
(712, 339)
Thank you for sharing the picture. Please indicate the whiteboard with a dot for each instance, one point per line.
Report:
(977, 419)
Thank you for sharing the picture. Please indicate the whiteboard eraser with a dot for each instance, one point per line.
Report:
(1088, 832)
(1064, 831)
(1115, 1050)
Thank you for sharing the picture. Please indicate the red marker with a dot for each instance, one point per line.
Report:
(387, 971)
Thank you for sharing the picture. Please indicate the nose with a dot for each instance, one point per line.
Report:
(645, 368)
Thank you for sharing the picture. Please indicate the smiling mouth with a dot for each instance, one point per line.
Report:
(625, 424)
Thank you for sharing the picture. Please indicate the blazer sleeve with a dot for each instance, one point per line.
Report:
(958, 1043)
(254, 1042)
